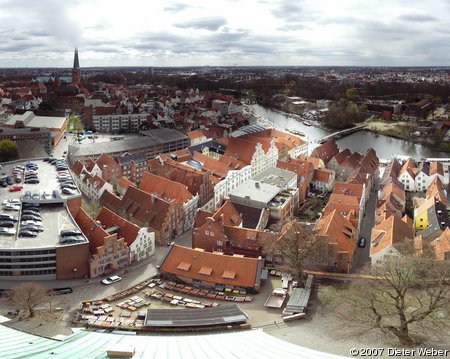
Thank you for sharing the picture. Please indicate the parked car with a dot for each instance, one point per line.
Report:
(9, 180)
(3, 183)
(30, 217)
(47, 195)
(68, 185)
(8, 224)
(35, 211)
(111, 280)
(34, 223)
(26, 233)
(7, 231)
(69, 191)
(32, 227)
(11, 201)
(8, 217)
(18, 179)
(59, 291)
(362, 242)
(36, 195)
(71, 239)
(27, 195)
(31, 181)
(30, 205)
(56, 193)
(11, 207)
(70, 232)
(15, 188)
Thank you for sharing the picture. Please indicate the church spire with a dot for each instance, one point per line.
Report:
(76, 63)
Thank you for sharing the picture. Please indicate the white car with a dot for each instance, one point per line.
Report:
(13, 201)
(111, 280)
(47, 195)
(11, 207)
(35, 223)
(7, 231)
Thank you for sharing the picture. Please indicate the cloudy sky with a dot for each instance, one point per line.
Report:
(43, 33)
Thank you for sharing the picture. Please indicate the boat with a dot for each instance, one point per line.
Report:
(307, 123)
(295, 132)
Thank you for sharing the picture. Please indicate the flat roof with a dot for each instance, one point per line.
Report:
(31, 120)
(275, 176)
(55, 216)
(135, 143)
(256, 191)
(222, 315)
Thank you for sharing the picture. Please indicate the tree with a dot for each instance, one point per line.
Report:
(409, 299)
(29, 296)
(297, 250)
(351, 94)
(8, 151)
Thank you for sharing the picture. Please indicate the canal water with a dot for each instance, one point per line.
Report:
(361, 141)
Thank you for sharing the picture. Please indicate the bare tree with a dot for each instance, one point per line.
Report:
(409, 299)
(29, 296)
(295, 250)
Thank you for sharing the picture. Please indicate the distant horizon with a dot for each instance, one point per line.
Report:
(237, 66)
(223, 33)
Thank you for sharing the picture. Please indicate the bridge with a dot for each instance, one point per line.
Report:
(339, 134)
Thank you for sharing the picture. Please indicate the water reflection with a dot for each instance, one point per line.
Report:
(361, 141)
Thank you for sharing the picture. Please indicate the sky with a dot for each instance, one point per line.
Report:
(43, 33)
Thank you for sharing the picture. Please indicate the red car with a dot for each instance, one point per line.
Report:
(15, 188)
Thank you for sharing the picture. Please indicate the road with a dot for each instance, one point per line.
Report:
(361, 257)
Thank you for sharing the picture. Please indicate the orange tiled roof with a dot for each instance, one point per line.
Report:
(436, 168)
(342, 198)
(127, 230)
(92, 230)
(441, 245)
(77, 167)
(323, 175)
(227, 270)
(370, 161)
(348, 189)
(339, 229)
(105, 160)
(392, 188)
(229, 213)
(326, 151)
(342, 156)
(410, 167)
(389, 232)
(164, 188)
(125, 182)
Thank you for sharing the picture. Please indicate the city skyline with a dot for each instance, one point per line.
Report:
(224, 33)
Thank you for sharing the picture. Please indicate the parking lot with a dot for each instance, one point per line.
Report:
(50, 213)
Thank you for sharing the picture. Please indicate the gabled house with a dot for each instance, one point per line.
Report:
(395, 194)
(391, 170)
(171, 190)
(109, 252)
(431, 217)
(211, 270)
(165, 218)
(140, 241)
(326, 151)
(339, 236)
(407, 175)
(323, 180)
(305, 173)
(110, 169)
(337, 160)
(387, 236)
(441, 246)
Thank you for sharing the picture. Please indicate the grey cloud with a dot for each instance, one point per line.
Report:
(177, 7)
(206, 23)
(289, 10)
(417, 18)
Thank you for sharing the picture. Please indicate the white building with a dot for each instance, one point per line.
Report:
(118, 123)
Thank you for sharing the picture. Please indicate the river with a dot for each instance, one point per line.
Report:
(361, 141)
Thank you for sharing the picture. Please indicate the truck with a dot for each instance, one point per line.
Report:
(277, 298)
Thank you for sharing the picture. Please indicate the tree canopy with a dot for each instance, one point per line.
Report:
(409, 300)
(8, 151)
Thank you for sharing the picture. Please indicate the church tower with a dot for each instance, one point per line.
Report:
(76, 76)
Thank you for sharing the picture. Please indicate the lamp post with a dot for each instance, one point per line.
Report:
(74, 271)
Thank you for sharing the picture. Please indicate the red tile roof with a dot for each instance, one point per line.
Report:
(409, 166)
(441, 246)
(348, 189)
(390, 232)
(323, 175)
(164, 188)
(127, 230)
(226, 270)
(92, 230)
(326, 151)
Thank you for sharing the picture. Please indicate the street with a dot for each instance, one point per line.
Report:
(361, 257)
